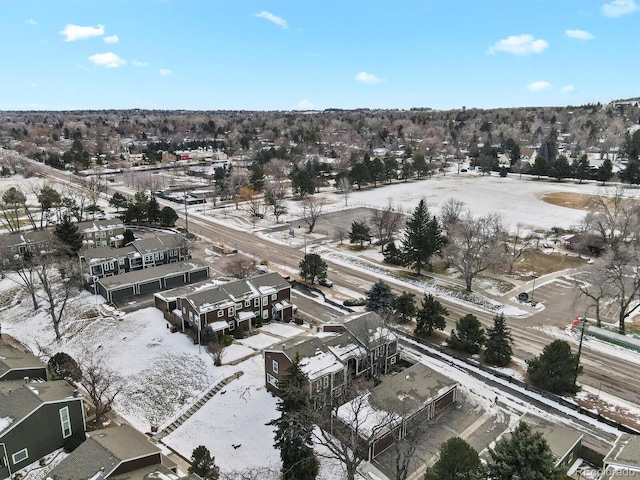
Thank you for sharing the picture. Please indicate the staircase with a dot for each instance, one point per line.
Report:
(195, 407)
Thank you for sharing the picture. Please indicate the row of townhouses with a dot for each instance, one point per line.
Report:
(360, 345)
(226, 306)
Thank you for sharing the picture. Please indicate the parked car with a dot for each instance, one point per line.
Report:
(325, 282)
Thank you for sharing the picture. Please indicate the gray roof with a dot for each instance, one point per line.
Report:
(18, 399)
(137, 276)
(559, 438)
(104, 450)
(187, 290)
(410, 389)
(26, 237)
(368, 328)
(625, 452)
(159, 243)
(304, 347)
(12, 358)
(106, 253)
(273, 279)
(108, 224)
(238, 289)
(207, 299)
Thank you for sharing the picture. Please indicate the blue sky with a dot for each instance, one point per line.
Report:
(303, 54)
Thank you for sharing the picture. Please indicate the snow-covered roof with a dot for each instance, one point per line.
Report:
(320, 364)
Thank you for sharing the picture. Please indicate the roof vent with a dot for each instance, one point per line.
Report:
(26, 379)
(10, 393)
(284, 347)
(76, 394)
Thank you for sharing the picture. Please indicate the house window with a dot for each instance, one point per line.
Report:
(220, 313)
(319, 386)
(230, 311)
(274, 296)
(157, 256)
(272, 380)
(20, 456)
(265, 314)
(65, 422)
(239, 306)
(148, 258)
(274, 366)
(256, 302)
(392, 360)
(121, 262)
(172, 253)
(264, 301)
(247, 303)
(110, 266)
(326, 381)
(232, 325)
(110, 232)
(161, 255)
(103, 234)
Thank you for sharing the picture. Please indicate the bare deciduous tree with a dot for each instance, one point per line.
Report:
(101, 383)
(275, 196)
(344, 187)
(450, 214)
(474, 245)
(515, 247)
(239, 266)
(59, 280)
(387, 222)
(311, 211)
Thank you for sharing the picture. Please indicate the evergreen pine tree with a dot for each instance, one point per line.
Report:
(524, 455)
(423, 238)
(380, 298)
(457, 460)
(554, 369)
(430, 316)
(153, 210)
(405, 306)
(360, 233)
(69, 240)
(392, 254)
(203, 464)
(498, 347)
(468, 335)
(294, 428)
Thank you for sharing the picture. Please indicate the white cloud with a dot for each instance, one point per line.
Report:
(579, 34)
(519, 45)
(165, 72)
(538, 86)
(111, 39)
(567, 89)
(109, 60)
(137, 63)
(76, 32)
(369, 78)
(31, 21)
(273, 18)
(618, 8)
(305, 105)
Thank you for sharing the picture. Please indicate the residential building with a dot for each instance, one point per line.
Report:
(396, 406)
(624, 458)
(119, 452)
(227, 306)
(16, 364)
(102, 233)
(150, 280)
(36, 418)
(362, 345)
(14, 245)
(160, 249)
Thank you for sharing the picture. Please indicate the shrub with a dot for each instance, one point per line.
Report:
(298, 320)
(355, 302)
(226, 340)
(238, 333)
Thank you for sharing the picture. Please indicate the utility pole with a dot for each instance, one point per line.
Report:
(533, 290)
(584, 323)
(186, 213)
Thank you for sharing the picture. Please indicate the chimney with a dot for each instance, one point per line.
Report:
(76, 394)
(284, 347)
(10, 393)
(26, 379)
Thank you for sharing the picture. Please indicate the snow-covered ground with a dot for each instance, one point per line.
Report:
(164, 373)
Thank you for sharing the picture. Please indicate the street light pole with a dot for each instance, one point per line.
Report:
(533, 290)
(186, 213)
(584, 323)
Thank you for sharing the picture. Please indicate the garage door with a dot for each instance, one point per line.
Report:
(443, 401)
(173, 281)
(122, 293)
(150, 287)
(199, 275)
